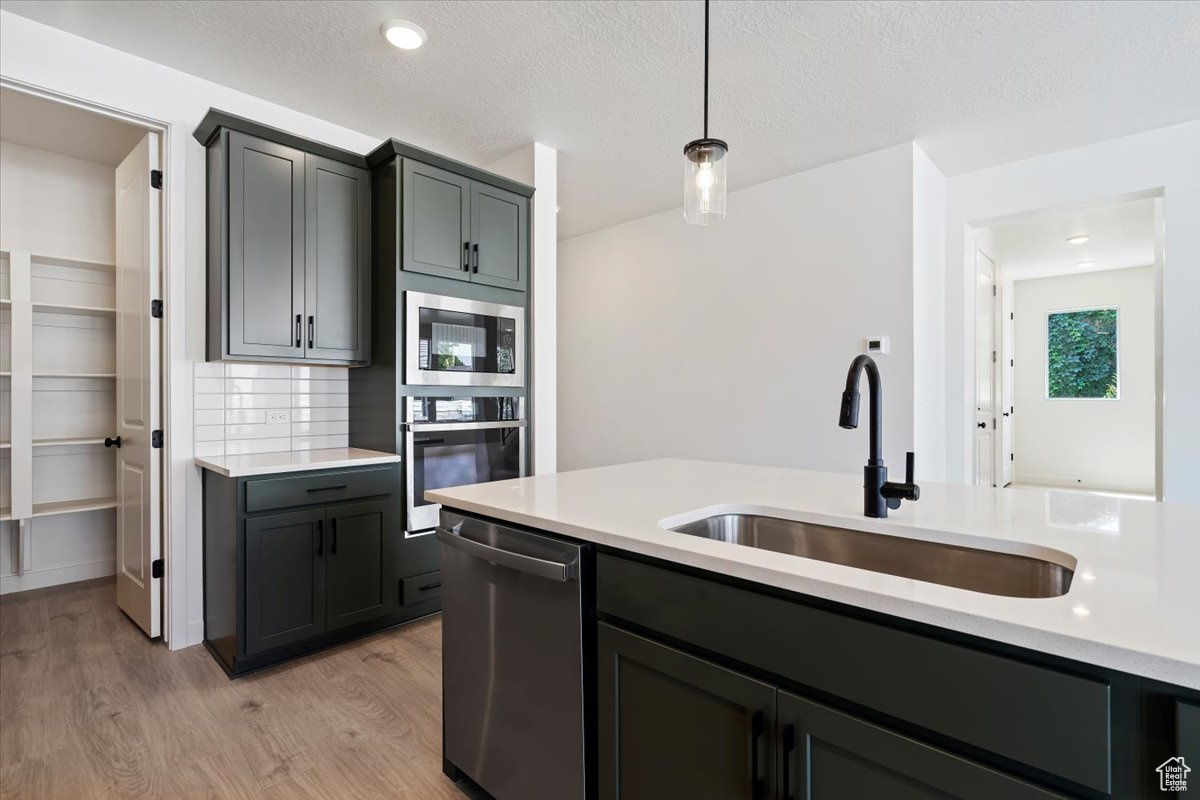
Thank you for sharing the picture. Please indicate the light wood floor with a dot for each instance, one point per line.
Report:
(89, 708)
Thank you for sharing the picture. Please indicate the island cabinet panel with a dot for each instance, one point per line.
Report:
(827, 755)
(673, 725)
(1046, 721)
(285, 579)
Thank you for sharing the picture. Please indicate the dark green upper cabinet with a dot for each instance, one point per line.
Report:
(338, 260)
(289, 247)
(499, 237)
(457, 227)
(266, 247)
(361, 574)
(437, 221)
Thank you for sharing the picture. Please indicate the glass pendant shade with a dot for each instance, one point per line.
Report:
(704, 164)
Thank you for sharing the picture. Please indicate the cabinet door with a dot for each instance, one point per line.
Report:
(437, 222)
(337, 275)
(499, 237)
(285, 579)
(362, 562)
(266, 248)
(827, 755)
(673, 725)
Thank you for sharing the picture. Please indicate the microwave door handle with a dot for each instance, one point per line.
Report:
(542, 568)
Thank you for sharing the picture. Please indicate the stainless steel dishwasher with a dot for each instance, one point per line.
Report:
(513, 674)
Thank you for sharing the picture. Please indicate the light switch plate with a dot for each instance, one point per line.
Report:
(278, 416)
(876, 345)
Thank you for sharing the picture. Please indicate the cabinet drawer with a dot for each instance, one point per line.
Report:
(1049, 720)
(421, 588)
(324, 487)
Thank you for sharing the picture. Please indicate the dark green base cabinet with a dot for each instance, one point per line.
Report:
(711, 688)
(297, 562)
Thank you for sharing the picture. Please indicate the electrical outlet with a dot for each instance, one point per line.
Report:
(877, 345)
(279, 416)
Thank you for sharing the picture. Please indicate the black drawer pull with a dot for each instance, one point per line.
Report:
(429, 586)
(326, 488)
(320, 537)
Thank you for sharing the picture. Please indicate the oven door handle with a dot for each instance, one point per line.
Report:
(542, 568)
(465, 426)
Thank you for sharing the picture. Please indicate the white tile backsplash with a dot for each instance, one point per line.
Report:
(265, 408)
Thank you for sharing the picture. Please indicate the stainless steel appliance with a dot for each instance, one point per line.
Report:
(455, 441)
(451, 341)
(513, 659)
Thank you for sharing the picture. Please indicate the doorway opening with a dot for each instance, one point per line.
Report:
(80, 351)
(1068, 348)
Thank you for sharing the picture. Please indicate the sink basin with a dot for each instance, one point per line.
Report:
(978, 570)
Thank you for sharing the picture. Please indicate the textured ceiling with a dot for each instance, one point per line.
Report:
(615, 86)
(63, 129)
(1035, 245)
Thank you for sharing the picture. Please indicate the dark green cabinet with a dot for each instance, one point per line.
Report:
(827, 755)
(285, 579)
(295, 562)
(289, 251)
(673, 725)
(460, 228)
(361, 562)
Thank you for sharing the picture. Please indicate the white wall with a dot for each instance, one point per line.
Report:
(1090, 443)
(1166, 160)
(929, 317)
(731, 342)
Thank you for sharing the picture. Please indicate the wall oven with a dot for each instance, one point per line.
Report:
(455, 441)
(450, 341)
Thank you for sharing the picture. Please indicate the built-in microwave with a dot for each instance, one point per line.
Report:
(456, 441)
(450, 341)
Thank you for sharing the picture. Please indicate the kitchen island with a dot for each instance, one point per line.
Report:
(842, 674)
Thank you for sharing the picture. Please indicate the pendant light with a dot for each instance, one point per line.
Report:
(704, 162)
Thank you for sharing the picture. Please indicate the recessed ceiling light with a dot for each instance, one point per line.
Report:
(1086, 264)
(403, 34)
(1080, 239)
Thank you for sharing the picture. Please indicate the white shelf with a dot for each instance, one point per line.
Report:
(5, 445)
(68, 441)
(59, 261)
(67, 507)
(74, 375)
(82, 311)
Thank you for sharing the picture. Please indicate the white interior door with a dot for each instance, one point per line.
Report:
(1005, 372)
(985, 355)
(139, 465)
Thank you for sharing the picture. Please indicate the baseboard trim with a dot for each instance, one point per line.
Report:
(54, 576)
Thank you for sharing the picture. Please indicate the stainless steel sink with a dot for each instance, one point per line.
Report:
(971, 568)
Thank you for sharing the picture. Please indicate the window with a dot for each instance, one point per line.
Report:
(1081, 354)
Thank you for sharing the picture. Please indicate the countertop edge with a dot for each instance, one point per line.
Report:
(240, 471)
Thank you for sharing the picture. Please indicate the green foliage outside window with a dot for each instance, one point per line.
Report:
(1081, 353)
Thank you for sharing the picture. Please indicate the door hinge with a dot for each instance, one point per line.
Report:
(156, 438)
(1010, 315)
(1012, 457)
(156, 568)
(156, 310)
(993, 290)
(156, 179)
(1010, 362)
(993, 356)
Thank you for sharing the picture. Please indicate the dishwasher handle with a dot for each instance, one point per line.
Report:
(541, 567)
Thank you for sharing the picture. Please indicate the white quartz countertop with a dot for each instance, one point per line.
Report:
(294, 461)
(1133, 606)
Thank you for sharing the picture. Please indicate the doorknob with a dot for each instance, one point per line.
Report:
(981, 425)
(110, 442)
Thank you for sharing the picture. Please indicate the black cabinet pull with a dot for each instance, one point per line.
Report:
(789, 744)
(757, 728)
(326, 488)
(310, 331)
(298, 330)
(320, 537)
(429, 586)
(466, 256)
(475, 249)
(333, 536)
(110, 442)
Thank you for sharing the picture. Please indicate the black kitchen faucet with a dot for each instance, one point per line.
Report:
(878, 493)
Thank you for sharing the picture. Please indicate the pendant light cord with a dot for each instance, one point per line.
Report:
(705, 69)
